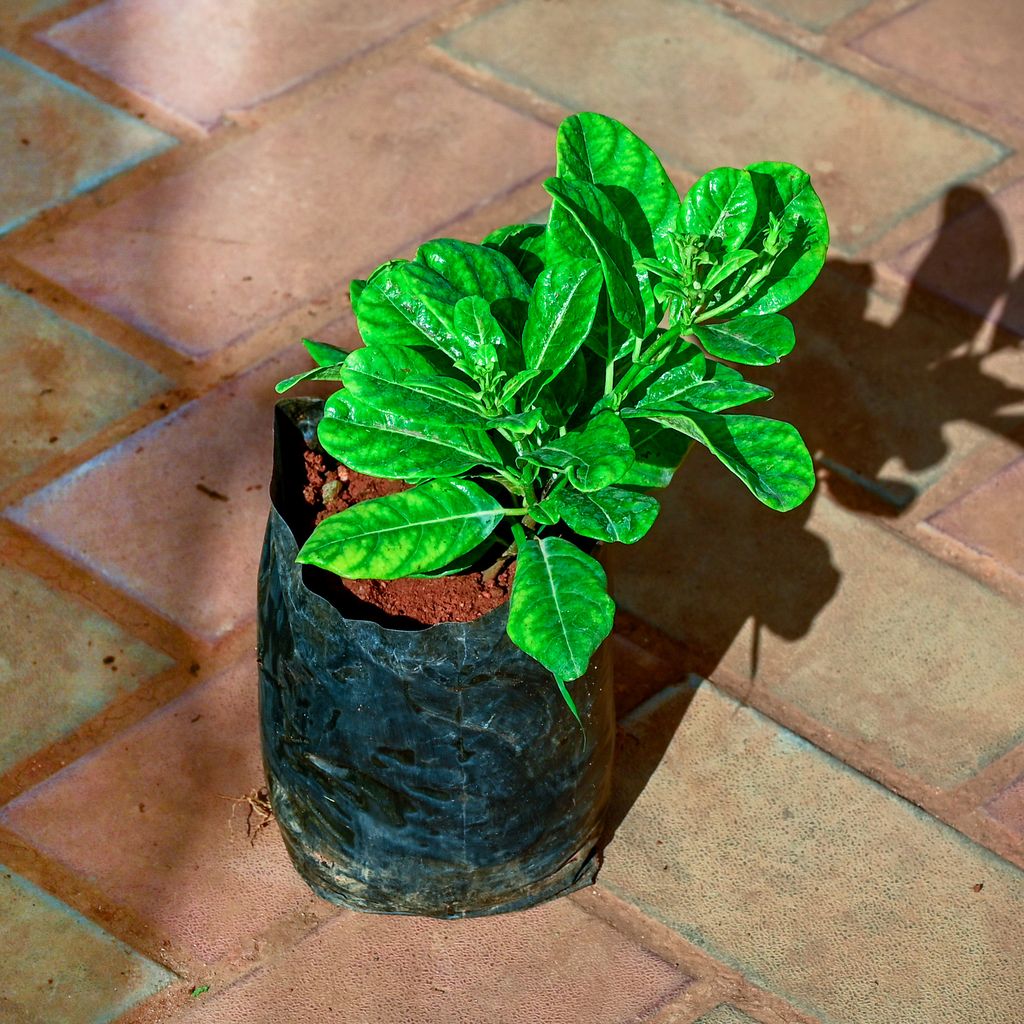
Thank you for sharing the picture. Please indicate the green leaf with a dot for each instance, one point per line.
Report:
(592, 457)
(612, 514)
(524, 245)
(355, 289)
(479, 336)
(562, 397)
(328, 359)
(385, 444)
(559, 609)
(608, 339)
(560, 316)
(785, 191)
(515, 385)
(411, 532)
(659, 452)
(472, 559)
(601, 150)
(721, 204)
(606, 237)
(402, 380)
(323, 354)
(407, 304)
(317, 373)
(693, 382)
(473, 269)
(767, 455)
(413, 303)
(751, 340)
(450, 390)
(521, 424)
(730, 264)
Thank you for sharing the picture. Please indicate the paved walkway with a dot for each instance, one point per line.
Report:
(821, 788)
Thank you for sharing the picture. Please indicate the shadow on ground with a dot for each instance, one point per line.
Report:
(874, 390)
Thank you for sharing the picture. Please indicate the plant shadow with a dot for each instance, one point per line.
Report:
(888, 398)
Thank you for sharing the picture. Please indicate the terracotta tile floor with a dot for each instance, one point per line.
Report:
(821, 787)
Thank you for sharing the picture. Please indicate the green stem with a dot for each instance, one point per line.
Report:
(752, 282)
(639, 371)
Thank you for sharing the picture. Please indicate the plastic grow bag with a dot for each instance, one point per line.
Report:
(430, 771)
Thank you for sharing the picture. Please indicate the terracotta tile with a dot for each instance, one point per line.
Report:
(893, 399)
(57, 966)
(175, 514)
(913, 661)
(13, 13)
(814, 14)
(987, 519)
(61, 664)
(297, 208)
(813, 881)
(60, 141)
(726, 1015)
(705, 90)
(976, 258)
(1007, 806)
(64, 384)
(974, 58)
(645, 660)
(201, 58)
(166, 832)
(552, 964)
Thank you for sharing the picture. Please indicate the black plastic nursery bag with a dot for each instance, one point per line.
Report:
(434, 771)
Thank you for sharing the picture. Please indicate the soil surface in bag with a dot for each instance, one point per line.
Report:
(417, 770)
(332, 488)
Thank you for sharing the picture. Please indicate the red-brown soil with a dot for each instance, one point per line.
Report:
(331, 488)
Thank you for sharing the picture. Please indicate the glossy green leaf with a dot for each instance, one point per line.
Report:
(593, 457)
(751, 340)
(449, 390)
(709, 387)
(608, 339)
(767, 455)
(411, 532)
(382, 443)
(559, 609)
(355, 289)
(413, 303)
(317, 373)
(524, 244)
(513, 386)
(560, 316)
(560, 399)
(323, 354)
(408, 304)
(479, 337)
(473, 269)
(607, 239)
(404, 381)
(785, 191)
(473, 560)
(658, 453)
(328, 359)
(603, 151)
(731, 263)
(612, 514)
(721, 204)
(687, 365)
(520, 424)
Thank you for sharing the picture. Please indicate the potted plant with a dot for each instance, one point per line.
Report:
(521, 398)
